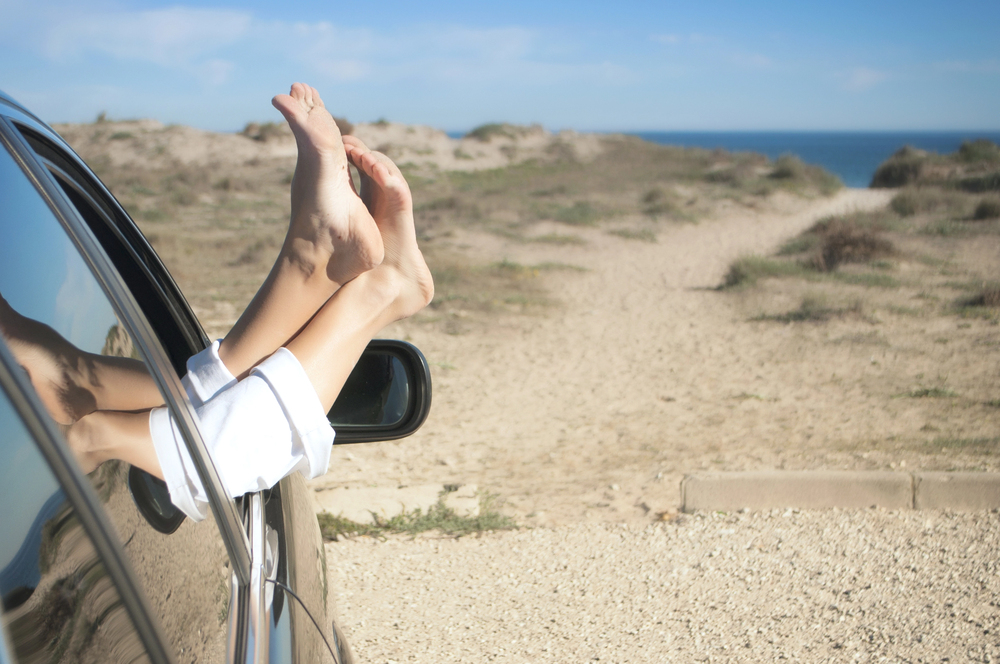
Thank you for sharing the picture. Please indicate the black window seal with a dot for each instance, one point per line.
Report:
(224, 509)
(130, 248)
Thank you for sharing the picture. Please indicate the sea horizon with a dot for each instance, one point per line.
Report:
(851, 155)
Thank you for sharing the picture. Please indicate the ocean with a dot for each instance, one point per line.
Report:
(852, 156)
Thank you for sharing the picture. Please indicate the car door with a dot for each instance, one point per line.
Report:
(73, 267)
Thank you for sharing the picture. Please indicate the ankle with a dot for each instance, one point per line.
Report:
(87, 438)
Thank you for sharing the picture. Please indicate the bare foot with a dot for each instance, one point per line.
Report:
(330, 226)
(331, 239)
(331, 343)
(385, 192)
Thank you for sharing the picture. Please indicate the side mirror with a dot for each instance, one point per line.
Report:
(386, 397)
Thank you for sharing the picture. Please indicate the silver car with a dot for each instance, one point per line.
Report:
(102, 567)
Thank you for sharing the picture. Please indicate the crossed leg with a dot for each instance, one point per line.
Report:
(324, 298)
(331, 238)
(330, 343)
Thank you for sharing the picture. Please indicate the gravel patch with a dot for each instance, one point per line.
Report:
(836, 585)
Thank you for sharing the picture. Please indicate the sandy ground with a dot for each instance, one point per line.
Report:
(833, 586)
(595, 410)
(583, 416)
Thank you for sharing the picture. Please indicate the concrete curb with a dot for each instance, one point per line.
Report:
(825, 489)
(361, 505)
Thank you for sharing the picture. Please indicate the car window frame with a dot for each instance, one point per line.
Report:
(128, 250)
(224, 508)
(16, 388)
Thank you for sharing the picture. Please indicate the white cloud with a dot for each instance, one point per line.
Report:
(167, 37)
(860, 79)
(215, 72)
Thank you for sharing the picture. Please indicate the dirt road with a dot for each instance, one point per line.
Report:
(632, 380)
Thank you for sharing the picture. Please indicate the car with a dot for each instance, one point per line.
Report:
(102, 567)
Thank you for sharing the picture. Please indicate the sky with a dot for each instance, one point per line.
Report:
(612, 66)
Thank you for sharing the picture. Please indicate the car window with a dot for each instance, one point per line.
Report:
(61, 327)
(138, 265)
(59, 603)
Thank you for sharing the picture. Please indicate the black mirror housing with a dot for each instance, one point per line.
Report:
(386, 397)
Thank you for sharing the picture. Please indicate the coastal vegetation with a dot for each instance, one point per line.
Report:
(908, 250)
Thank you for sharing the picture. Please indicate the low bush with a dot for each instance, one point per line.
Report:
(979, 184)
(580, 213)
(847, 242)
(438, 517)
(657, 202)
(747, 270)
(917, 200)
(988, 208)
(902, 168)
(788, 166)
(981, 150)
(988, 296)
(642, 234)
(487, 131)
(905, 204)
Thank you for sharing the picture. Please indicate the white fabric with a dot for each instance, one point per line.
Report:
(257, 430)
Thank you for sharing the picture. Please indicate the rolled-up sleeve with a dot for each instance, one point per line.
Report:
(257, 430)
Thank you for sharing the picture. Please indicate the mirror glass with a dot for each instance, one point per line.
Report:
(377, 393)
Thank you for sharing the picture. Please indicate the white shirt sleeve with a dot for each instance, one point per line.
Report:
(257, 430)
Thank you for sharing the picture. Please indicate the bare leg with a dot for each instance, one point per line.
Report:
(104, 435)
(331, 238)
(330, 345)
(70, 382)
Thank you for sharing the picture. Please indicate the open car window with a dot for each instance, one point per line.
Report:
(81, 360)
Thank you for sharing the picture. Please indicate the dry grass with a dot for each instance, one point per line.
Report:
(218, 227)
(845, 241)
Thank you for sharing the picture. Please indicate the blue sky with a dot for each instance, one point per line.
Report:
(584, 65)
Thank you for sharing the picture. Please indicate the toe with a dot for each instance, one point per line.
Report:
(298, 91)
(356, 143)
(289, 106)
(387, 163)
(314, 96)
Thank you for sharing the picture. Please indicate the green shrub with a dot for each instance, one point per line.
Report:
(788, 166)
(905, 204)
(438, 517)
(988, 296)
(915, 200)
(800, 244)
(580, 213)
(642, 234)
(657, 202)
(988, 208)
(929, 393)
(747, 270)
(849, 243)
(902, 168)
(487, 131)
(978, 151)
(980, 183)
